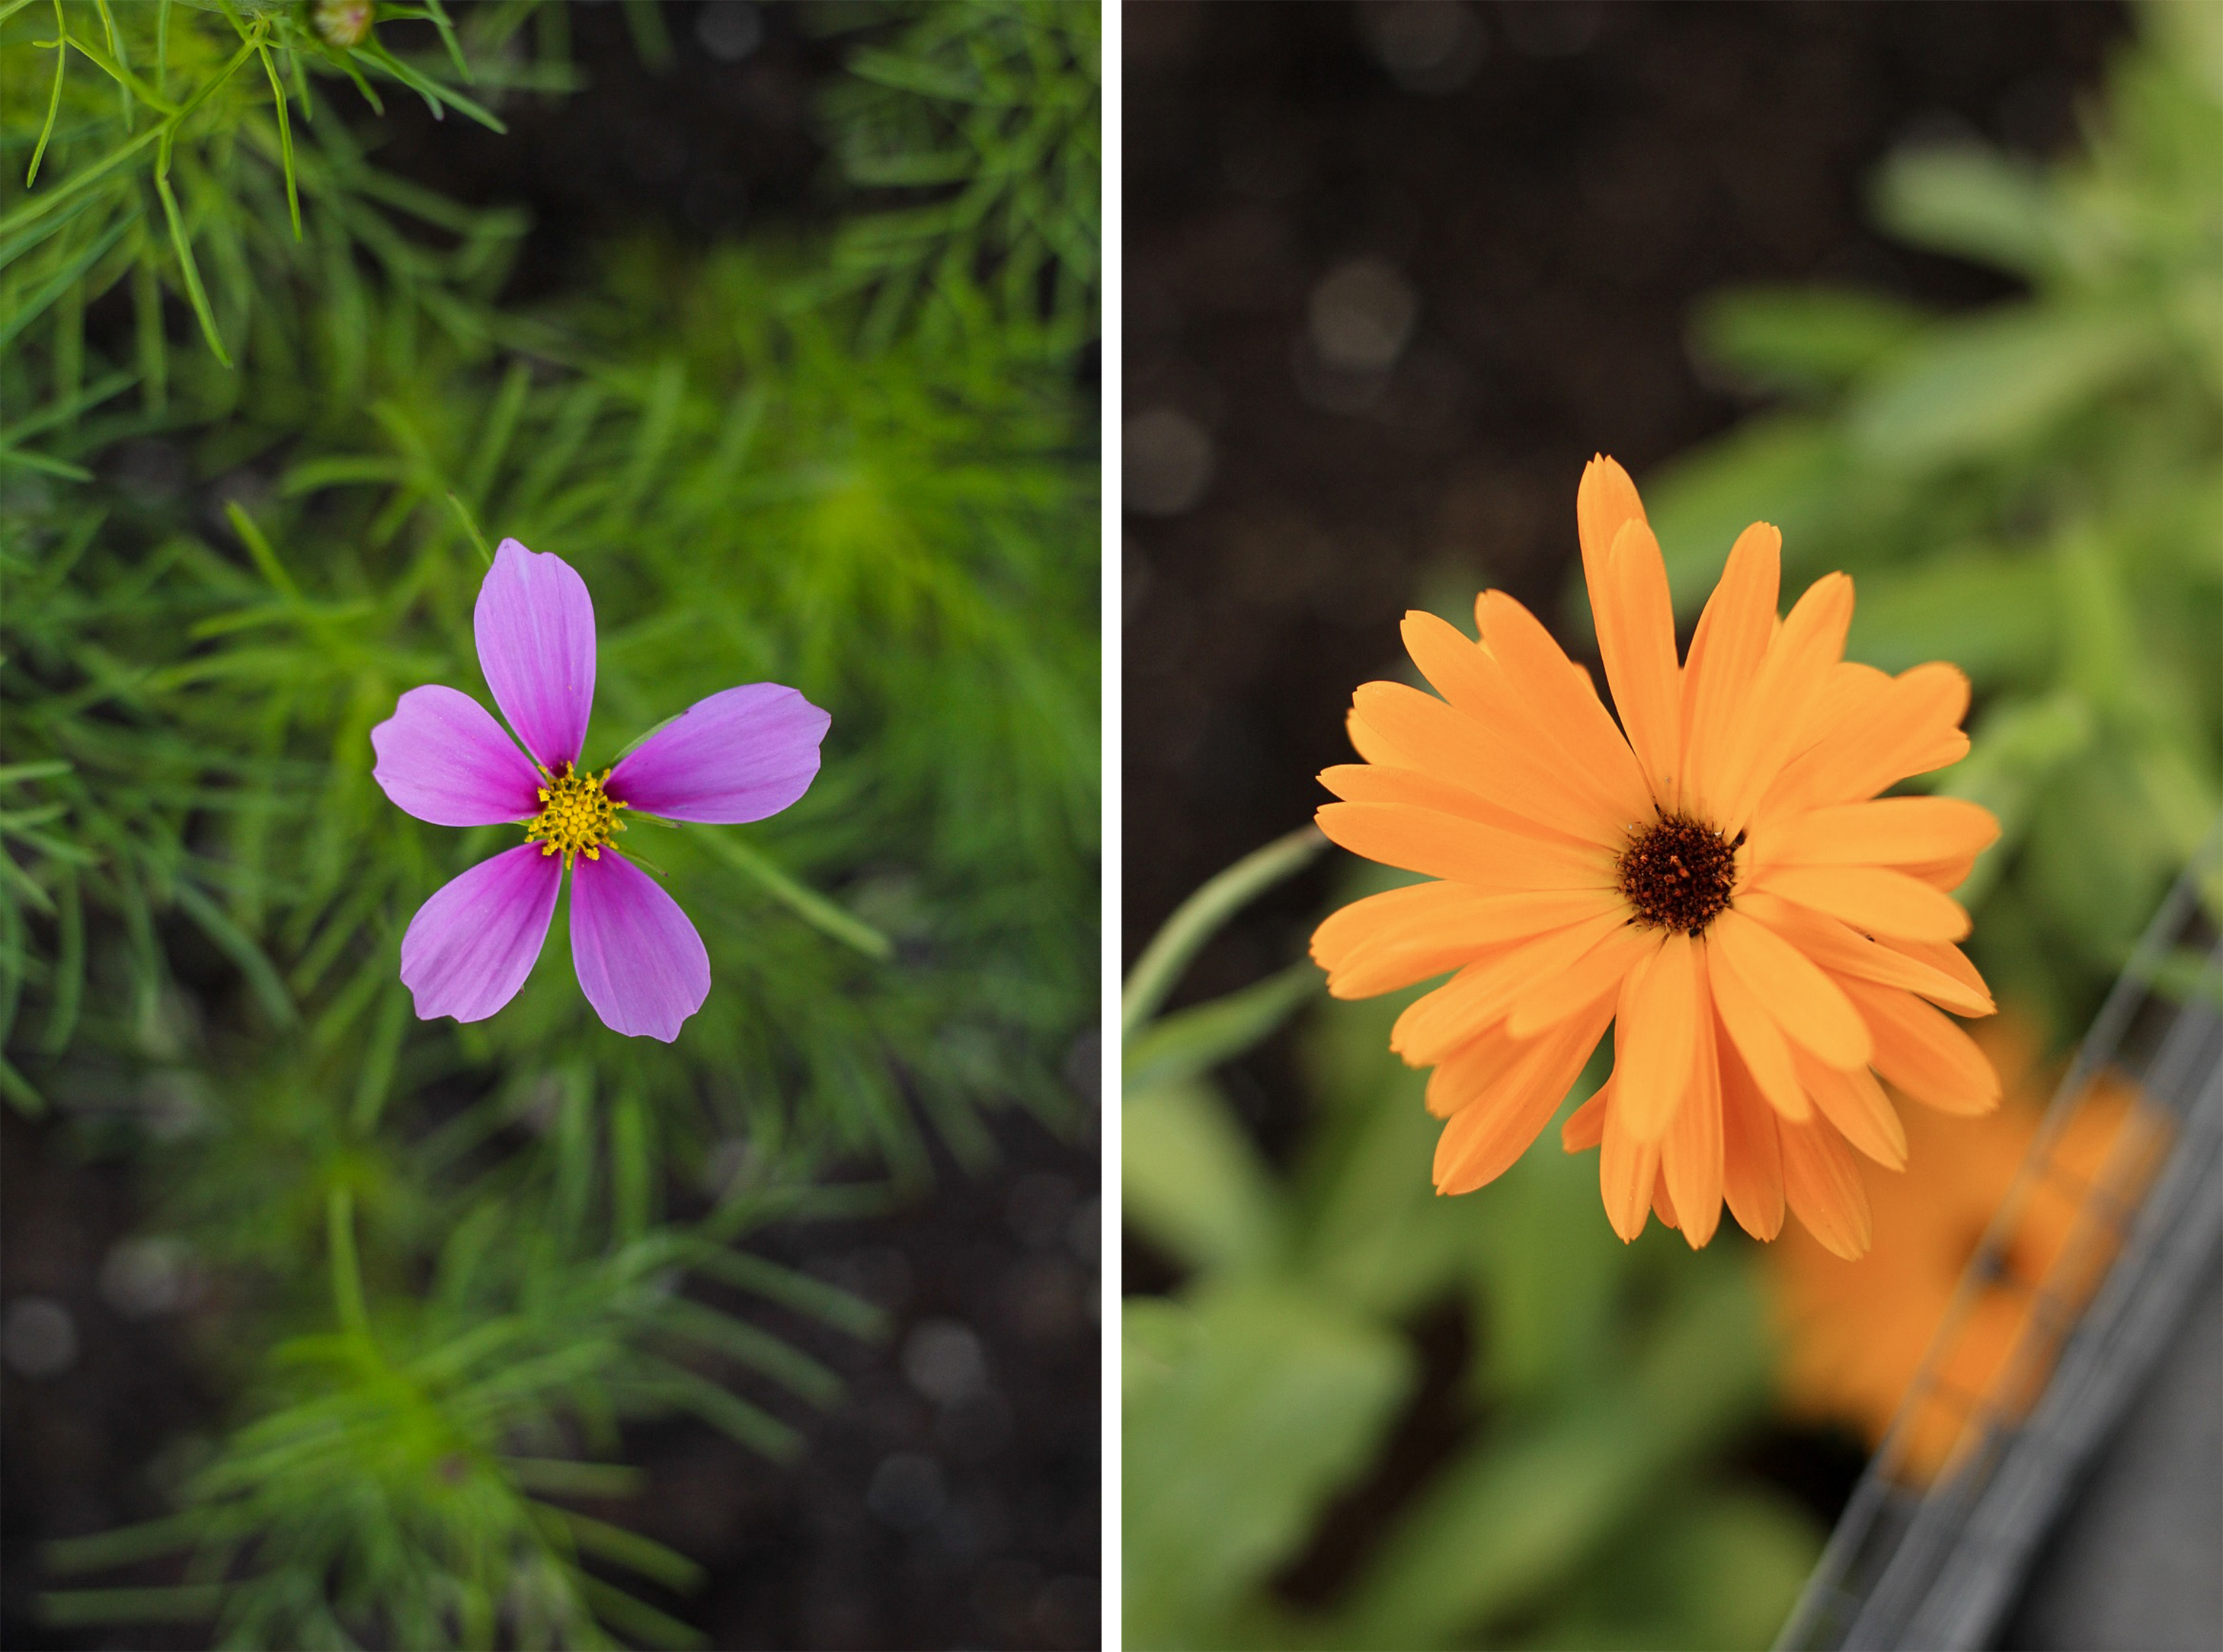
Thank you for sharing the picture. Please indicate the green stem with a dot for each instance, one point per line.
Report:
(1199, 918)
(347, 1272)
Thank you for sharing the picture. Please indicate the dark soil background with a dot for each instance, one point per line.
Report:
(1393, 272)
(952, 1498)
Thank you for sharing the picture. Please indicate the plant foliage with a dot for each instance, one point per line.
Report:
(1579, 1506)
(264, 407)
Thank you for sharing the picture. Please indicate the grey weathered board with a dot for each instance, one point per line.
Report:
(2093, 1517)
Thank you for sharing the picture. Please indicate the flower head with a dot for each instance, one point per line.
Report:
(1715, 877)
(740, 755)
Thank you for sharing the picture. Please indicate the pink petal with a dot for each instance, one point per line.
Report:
(443, 758)
(536, 632)
(738, 756)
(470, 946)
(640, 963)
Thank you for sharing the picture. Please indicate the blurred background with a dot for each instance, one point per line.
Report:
(320, 1326)
(1930, 286)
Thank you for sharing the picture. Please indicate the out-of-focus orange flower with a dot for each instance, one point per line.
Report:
(1857, 1330)
(1715, 877)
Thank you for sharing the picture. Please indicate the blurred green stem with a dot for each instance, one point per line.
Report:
(1199, 918)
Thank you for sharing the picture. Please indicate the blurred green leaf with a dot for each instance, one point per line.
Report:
(1972, 202)
(1267, 1400)
(1508, 1524)
(1195, 1040)
(1800, 340)
(1974, 389)
(1996, 616)
(1191, 1181)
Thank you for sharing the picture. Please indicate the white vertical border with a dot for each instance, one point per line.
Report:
(1111, 375)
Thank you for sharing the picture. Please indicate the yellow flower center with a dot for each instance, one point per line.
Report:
(1679, 874)
(576, 815)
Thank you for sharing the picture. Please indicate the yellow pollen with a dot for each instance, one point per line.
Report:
(576, 815)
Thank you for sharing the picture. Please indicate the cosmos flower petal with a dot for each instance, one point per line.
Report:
(1726, 653)
(1636, 639)
(535, 624)
(1822, 1184)
(471, 947)
(1482, 1141)
(1658, 1030)
(443, 758)
(1803, 1001)
(1925, 1052)
(1690, 1151)
(1874, 900)
(639, 959)
(1627, 1168)
(738, 756)
(1752, 1149)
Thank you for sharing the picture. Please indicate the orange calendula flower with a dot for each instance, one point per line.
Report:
(1715, 877)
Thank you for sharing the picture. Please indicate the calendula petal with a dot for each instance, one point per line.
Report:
(1627, 1167)
(1585, 1125)
(1792, 677)
(1810, 1007)
(1752, 1150)
(1923, 1053)
(1690, 1151)
(1872, 899)
(1595, 975)
(1899, 832)
(1462, 851)
(1658, 1032)
(1843, 951)
(1564, 708)
(1636, 638)
(1482, 1141)
(1433, 1027)
(1911, 727)
(1485, 759)
(1725, 659)
(1851, 1099)
(1759, 1040)
(1823, 1185)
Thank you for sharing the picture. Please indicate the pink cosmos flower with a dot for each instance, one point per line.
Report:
(740, 755)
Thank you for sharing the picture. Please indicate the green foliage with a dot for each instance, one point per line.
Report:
(247, 479)
(2033, 492)
(1603, 1379)
(981, 117)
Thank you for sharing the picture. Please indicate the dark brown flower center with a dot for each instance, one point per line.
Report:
(1679, 874)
